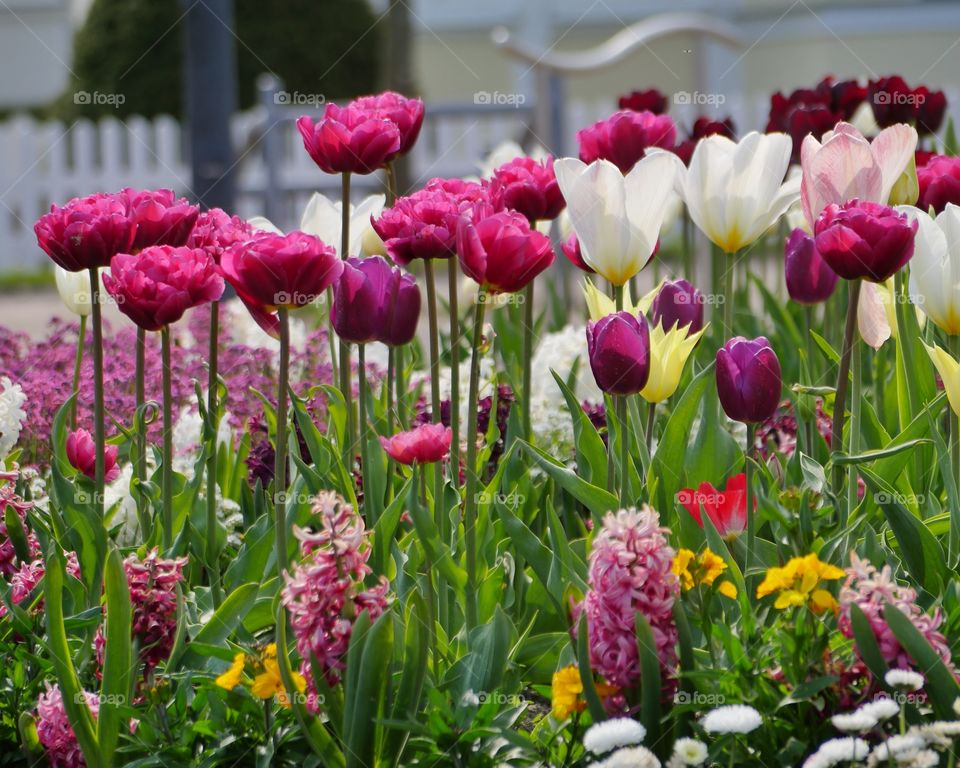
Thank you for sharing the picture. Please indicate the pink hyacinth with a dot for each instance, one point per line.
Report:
(54, 730)
(325, 592)
(630, 573)
(153, 594)
(9, 498)
(424, 225)
(872, 590)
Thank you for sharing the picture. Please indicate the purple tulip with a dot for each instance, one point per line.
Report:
(619, 349)
(748, 379)
(809, 278)
(375, 301)
(864, 240)
(678, 303)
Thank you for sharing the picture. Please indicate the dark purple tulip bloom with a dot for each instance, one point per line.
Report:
(375, 301)
(748, 379)
(864, 240)
(678, 303)
(160, 217)
(809, 278)
(619, 349)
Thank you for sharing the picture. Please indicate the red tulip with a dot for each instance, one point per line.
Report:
(809, 278)
(931, 108)
(424, 225)
(650, 100)
(867, 240)
(375, 301)
(939, 179)
(160, 218)
(895, 102)
(529, 187)
(406, 114)
(500, 251)
(425, 444)
(216, 231)
(702, 127)
(86, 232)
(727, 509)
(748, 379)
(349, 140)
(82, 455)
(619, 349)
(625, 136)
(155, 287)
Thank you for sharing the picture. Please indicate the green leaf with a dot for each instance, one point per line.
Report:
(117, 685)
(650, 690)
(597, 500)
(407, 700)
(489, 644)
(880, 453)
(591, 452)
(365, 698)
(867, 647)
(221, 624)
(597, 712)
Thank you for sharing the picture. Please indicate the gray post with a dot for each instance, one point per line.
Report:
(210, 75)
(268, 87)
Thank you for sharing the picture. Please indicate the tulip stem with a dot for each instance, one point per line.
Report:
(345, 385)
(401, 388)
(853, 439)
(81, 338)
(453, 287)
(213, 556)
(528, 321)
(389, 383)
(651, 422)
(167, 483)
(365, 468)
(954, 345)
(438, 505)
(391, 184)
(613, 400)
(748, 489)
(470, 514)
(621, 405)
(840, 401)
(98, 414)
(728, 268)
(140, 464)
(331, 335)
(280, 456)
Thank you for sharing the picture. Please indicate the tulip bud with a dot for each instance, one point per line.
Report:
(748, 379)
(678, 304)
(425, 444)
(81, 452)
(74, 290)
(906, 189)
(864, 240)
(619, 350)
(375, 301)
(809, 278)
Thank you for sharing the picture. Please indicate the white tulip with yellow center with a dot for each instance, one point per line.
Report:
(618, 218)
(669, 351)
(935, 267)
(735, 191)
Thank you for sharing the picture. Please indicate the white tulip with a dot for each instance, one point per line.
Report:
(618, 218)
(735, 191)
(323, 218)
(935, 267)
(74, 290)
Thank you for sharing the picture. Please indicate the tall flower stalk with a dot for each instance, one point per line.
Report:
(470, 504)
(453, 291)
(345, 385)
(280, 456)
(78, 362)
(167, 477)
(213, 417)
(98, 416)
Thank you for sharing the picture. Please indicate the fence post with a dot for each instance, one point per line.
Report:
(268, 87)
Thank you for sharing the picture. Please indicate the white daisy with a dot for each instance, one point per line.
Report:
(630, 757)
(732, 718)
(904, 679)
(900, 748)
(688, 752)
(611, 734)
(881, 708)
(836, 751)
(854, 722)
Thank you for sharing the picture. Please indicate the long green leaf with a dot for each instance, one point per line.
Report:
(365, 699)
(650, 690)
(597, 500)
(116, 688)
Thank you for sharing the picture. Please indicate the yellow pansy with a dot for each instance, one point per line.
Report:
(798, 583)
(705, 569)
(565, 692)
(268, 683)
(600, 305)
(669, 351)
(230, 679)
(949, 370)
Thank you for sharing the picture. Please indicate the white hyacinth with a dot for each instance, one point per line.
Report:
(611, 734)
(835, 751)
(905, 679)
(630, 757)
(687, 751)
(732, 718)
(11, 414)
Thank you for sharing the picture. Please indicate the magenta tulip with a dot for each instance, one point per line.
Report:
(809, 278)
(650, 100)
(680, 304)
(82, 455)
(619, 349)
(748, 379)
(864, 240)
(160, 218)
(375, 301)
(571, 249)
(425, 444)
(405, 113)
(703, 127)
(939, 179)
(216, 231)
(500, 251)
(529, 187)
(625, 136)
(349, 140)
(86, 232)
(156, 286)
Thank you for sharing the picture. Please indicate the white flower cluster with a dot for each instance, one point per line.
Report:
(732, 718)
(866, 716)
(621, 737)
(846, 749)
(687, 752)
(11, 414)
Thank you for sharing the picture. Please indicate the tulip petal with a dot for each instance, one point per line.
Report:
(949, 370)
(872, 316)
(893, 149)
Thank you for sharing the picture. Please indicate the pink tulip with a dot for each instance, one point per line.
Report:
(865, 240)
(350, 140)
(216, 231)
(529, 187)
(571, 249)
(86, 232)
(625, 136)
(846, 166)
(82, 455)
(939, 181)
(425, 444)
(158, 285)
(406, 114)
(160, 218)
